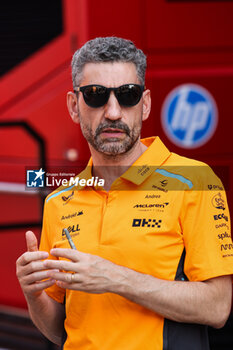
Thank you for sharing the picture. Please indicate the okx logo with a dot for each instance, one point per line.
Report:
(146, 223)
(189, 116)
(35, 178)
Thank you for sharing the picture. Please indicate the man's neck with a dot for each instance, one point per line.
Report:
(110, 167)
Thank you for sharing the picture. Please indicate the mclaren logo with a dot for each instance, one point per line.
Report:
(66, 199)
(164, 183)
(154, 205)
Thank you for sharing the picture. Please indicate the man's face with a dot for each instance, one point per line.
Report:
(111, 129)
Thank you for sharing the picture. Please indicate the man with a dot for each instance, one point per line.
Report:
(150, 271)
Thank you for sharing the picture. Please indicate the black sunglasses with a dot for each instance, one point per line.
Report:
(127, 95)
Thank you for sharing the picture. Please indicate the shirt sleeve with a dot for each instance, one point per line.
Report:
(206, 224)
(54, 291)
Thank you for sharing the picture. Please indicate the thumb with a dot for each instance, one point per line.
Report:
(31, 240)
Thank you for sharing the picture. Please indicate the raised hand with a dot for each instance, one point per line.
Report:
(30, 268)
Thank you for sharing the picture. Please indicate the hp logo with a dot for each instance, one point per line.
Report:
(189, 116)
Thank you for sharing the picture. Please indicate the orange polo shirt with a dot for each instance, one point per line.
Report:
(166, 216)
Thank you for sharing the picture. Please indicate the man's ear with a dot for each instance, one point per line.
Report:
(146, 104)
(72, 105)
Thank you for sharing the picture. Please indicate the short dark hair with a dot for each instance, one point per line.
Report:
(108, 49)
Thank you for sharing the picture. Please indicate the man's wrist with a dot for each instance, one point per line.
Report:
(124, 281)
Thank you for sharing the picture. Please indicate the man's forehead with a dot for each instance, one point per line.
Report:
(109, 73)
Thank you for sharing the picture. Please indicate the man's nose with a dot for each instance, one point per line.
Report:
(112, 108)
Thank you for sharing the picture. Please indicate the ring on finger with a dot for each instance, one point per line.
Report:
(72, 277)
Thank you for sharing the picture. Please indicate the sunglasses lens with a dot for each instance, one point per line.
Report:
(129, 95)
(95, 96)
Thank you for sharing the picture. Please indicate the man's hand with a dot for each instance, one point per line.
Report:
(30, 269)
(85, 272)
(47, 314)
(207, 302)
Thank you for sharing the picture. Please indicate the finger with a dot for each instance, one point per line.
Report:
(27, 269)
(39, 286)
(31, 240)
(64, 277)
(70, 286)
(74, 286)
(28, 257)
(70, 254)
(36, 277)
(60, 264)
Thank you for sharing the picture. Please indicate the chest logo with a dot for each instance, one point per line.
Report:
(146, 223)
(218, 201)
(73, 230)
(152, 205)
(66, 199)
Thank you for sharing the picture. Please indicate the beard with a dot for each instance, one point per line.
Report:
(112, 146)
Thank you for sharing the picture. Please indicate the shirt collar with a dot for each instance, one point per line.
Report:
(85, 174)
(154, 156)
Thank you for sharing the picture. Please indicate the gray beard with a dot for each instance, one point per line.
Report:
(112, 146)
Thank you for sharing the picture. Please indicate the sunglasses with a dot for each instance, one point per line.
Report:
(127, 95)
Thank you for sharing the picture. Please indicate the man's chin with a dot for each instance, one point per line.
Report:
(112, 151)
(113, 148)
